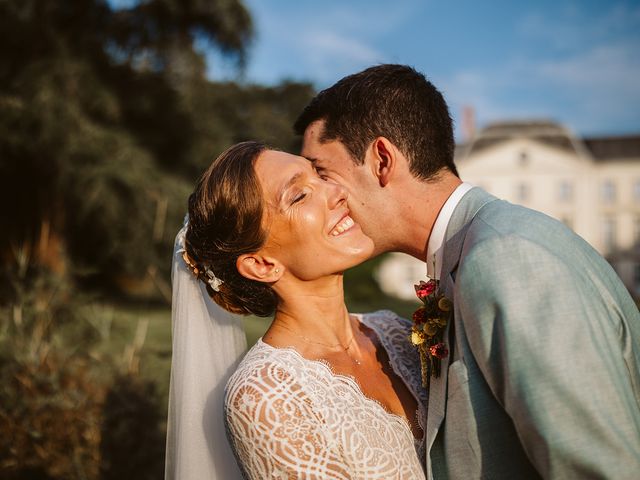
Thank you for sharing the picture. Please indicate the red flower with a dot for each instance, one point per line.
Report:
(424, 289)
(419, 316)
(439, 350)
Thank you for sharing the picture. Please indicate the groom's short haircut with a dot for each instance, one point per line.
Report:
(392, 101)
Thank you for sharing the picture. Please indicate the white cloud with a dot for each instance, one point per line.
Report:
(331, 44)
(604, 68)
(603, 83)
(328, 54)
(324, 43)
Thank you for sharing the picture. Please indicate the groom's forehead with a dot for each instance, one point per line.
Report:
(316, 150)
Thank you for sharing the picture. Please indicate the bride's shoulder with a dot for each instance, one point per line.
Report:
(263, 370)
(271, 385)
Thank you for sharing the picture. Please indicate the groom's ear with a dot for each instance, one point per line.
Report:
(383, 160)
(255, 266)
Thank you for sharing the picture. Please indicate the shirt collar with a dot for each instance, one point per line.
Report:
(436, 239)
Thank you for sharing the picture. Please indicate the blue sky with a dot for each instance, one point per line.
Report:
(577, 62)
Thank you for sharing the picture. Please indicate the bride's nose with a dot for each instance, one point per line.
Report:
(336, 194)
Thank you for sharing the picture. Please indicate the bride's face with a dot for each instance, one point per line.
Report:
(307, 218)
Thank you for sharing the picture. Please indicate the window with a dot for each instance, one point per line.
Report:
(566, 191)
(608, 192)
(522, 192)
(609, 234)
(636, 191)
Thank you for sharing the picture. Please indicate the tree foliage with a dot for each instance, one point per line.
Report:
(107, 118)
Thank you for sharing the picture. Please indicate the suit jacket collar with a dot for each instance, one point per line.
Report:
(461, 218)
(439, 230)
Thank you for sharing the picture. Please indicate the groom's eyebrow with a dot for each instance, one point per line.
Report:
(315, 163)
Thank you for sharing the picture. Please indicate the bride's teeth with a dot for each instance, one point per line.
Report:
(343, 227)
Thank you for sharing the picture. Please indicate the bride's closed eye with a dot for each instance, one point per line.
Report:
(298, 198)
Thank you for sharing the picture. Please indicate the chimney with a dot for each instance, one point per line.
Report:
(468, 123)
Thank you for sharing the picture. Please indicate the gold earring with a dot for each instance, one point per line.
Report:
(277, 270)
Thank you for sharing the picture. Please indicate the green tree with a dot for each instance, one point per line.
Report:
(91, 121)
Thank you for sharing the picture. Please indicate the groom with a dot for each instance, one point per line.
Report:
(543, 373)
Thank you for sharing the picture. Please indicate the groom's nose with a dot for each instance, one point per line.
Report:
(336, 194)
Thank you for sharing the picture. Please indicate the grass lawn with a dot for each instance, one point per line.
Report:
(155, 353)
(121, 324)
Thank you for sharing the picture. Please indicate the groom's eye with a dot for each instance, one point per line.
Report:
(321, 172)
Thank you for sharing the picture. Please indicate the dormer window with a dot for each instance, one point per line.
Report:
(523, 158)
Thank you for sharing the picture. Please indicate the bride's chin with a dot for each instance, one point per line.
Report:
(362, 249)
(359, 256)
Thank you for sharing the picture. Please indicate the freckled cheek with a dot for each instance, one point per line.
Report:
(301, 229)
(310, 219)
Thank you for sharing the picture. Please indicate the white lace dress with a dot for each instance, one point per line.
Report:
(290, 417)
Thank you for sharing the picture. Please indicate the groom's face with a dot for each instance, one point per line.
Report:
(332, 160)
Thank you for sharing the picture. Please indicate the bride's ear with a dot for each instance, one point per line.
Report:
(255, 266)
(382, 159)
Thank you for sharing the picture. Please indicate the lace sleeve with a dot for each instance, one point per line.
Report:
(275, 430)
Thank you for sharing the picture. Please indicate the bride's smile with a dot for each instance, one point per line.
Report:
(345, 224)
(307, 217)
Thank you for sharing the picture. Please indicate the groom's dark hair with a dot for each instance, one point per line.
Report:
(392, 101)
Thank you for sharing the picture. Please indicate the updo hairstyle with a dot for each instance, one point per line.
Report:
(225, 221)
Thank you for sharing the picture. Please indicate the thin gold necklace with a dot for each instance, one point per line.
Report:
(308, 340)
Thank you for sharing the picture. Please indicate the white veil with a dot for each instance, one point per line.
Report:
(208, 342)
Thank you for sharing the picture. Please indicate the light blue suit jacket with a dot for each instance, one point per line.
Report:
(543, 379)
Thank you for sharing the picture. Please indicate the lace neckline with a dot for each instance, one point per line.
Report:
(353, 382)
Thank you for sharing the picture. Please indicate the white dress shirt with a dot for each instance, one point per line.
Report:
(434, 248)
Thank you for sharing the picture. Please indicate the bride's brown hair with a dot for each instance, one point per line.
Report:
(225, 221)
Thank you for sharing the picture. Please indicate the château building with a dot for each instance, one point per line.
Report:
(590, 184)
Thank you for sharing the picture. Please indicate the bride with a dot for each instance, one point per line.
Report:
(324, 393)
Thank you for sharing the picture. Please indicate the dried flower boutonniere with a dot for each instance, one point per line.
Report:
(429, 324)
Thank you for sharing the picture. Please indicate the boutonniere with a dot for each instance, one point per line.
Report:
(429, 324)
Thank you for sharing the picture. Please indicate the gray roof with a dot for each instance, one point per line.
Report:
(523, 128)
(610, 148)
(554, 134)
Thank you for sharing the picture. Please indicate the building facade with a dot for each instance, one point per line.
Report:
(590, 184)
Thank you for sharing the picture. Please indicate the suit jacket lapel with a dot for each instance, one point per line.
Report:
(464, 212)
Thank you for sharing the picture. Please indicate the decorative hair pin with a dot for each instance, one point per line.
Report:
(213, 281)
